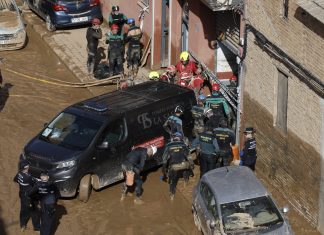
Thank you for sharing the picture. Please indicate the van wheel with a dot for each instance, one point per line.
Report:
(49, 25)
(196, 220)
(85, 188)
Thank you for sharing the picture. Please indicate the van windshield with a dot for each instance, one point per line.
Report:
(71, 131)
(256, 213)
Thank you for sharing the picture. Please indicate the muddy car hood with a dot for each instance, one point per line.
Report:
(10, 22)
(39, 149)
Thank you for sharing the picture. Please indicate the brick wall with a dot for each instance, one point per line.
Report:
(292, 160)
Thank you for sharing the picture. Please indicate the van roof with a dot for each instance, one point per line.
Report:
(234, 183)
(132, 97)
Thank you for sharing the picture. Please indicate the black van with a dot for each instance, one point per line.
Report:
(84, 146)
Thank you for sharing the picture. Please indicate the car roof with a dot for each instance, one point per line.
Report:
(234, 183)
(132, 97)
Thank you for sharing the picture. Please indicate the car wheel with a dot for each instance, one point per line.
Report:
(49, 25)
(85, 188)
(196, 219)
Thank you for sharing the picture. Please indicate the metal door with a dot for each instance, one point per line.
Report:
(185, 27)
(164, 33)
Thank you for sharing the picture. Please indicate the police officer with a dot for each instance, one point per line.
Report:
(207, 148)
(211, 119)
(94, 33)
(133, 38)
(135, 161)
(117, 18)
(48, 194)
(249, 153)
(115, 51)
(176, 162)
(225, 139)
(219, 105)
(174, 123)
(197, 112)
(28, 205)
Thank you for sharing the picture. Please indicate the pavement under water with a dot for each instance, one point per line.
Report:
(26, 105)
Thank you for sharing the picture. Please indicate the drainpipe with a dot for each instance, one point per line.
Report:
(152, 33)
(242, 68)
(170, 32)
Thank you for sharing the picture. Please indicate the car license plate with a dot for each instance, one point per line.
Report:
(80, 19)
(4, 42)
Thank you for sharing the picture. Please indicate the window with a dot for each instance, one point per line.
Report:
(282, 100)
(285, 9)
(115, 133)
(209, 200)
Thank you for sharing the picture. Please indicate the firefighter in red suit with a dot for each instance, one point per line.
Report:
(170, 74)
(185, 65)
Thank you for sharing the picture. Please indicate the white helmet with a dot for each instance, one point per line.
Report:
(154, 149)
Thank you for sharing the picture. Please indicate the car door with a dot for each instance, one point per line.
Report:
(111, 150)
(208, 212)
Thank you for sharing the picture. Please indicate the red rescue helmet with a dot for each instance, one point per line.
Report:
(233, 78)
(171, 68)
(96, 21)
(114, 26)
(216, 87)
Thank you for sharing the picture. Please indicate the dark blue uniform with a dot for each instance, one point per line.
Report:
(208, 146)
(135, 162)
(249, 155)
(28, 206)
(48, 195)
(173, 124)
(176, 163)
(225, 137)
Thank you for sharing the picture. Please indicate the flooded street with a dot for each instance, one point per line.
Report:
(26, 104)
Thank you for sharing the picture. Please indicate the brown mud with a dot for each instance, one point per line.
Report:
(25, 106)
(8, 19)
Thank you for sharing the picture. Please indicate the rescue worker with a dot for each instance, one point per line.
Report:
(249, 153)
(48, 194)
(185, 65)
(135, 161)
(28, 205)
(174, 123)
(94, 33)
(219, 105)
(153, 75)
(170, 74)
(197, 112)
(134, 46)
(207, 149)
(176, 162)
(115, 51)
(117, 18)
(211, 119)
(225, 139)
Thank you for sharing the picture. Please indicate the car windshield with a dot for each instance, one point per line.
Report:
(71, 131)
(252, 214)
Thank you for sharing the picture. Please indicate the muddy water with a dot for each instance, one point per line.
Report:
(25, 105)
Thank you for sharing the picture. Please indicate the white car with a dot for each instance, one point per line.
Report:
(12, 28)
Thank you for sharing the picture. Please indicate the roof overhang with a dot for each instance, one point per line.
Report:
(222, 5)
(314, 8)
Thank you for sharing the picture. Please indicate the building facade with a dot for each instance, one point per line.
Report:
(275, 48)
(283, 98)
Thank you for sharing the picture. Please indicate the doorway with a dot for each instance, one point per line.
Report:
(165, 34)
(185, 26)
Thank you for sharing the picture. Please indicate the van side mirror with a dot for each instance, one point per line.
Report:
(285, 209)
(104, 145)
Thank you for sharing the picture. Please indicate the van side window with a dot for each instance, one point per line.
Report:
(114, 133)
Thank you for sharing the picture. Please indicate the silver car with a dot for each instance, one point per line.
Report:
(12, 28)
(231, 200)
